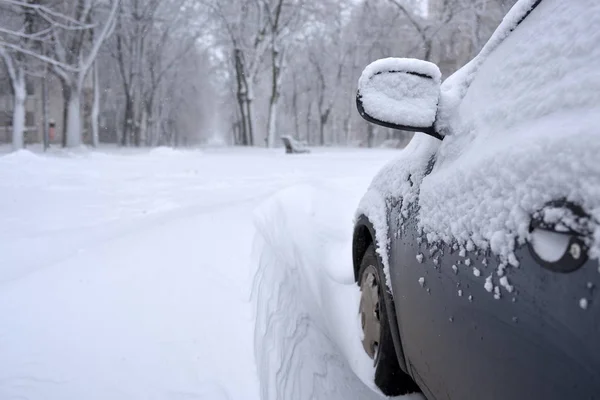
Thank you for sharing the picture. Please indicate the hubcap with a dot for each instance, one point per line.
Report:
(369, 311)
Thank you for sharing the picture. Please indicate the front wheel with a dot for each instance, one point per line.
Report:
(377, 337)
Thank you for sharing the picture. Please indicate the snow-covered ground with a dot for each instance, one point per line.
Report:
(162, 274)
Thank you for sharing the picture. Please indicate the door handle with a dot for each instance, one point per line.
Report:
(559, 236)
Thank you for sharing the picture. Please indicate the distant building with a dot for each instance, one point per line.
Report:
(34, 119)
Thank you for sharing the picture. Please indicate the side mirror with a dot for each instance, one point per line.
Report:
(400, 93)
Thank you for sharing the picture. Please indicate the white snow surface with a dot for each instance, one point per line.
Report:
(489, 286)
(398, 97)
(140, 275)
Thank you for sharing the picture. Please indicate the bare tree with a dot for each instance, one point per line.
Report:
(246, 25)
(134, 23)
(283, 19)
(245, 69)
(76, 49)
(22, 34)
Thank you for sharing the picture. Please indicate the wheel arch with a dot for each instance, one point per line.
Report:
(364, 235)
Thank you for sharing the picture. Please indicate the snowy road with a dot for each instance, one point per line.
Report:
(142, 275)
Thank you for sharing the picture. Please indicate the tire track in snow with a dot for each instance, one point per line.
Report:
(111, 232)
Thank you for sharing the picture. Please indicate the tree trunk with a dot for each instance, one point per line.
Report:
(18, 119)
(242, 95)
(143, 129)
(243, 140)
(249, 140)
(295, 109)
(273, 102)
(308, 125)
(272, 123)
(249, 98)
(95, 109)
(324, 117)
(45, 119)
(347, 127)
(66, 90)
(138, 112)
(150, 124)
(428, 46)
(370, 134)
(127, 121)
(321, 132)
(74, 119)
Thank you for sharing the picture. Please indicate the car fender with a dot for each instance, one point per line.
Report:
(364, 234)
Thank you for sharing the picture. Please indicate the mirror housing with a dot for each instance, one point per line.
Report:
(400, 93)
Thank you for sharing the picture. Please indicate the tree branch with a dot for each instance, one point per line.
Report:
(38, 56)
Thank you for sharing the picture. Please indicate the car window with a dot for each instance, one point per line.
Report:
(548, 64)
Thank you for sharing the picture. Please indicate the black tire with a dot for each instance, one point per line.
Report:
(389, 377)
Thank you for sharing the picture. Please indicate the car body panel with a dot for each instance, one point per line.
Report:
(530, 337)
(534, 341)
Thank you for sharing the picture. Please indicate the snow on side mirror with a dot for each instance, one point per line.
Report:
(400, 93)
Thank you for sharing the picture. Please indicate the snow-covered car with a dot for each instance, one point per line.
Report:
(476, 251)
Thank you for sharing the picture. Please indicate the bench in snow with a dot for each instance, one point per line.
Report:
(292, 146)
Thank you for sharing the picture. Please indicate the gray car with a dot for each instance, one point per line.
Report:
(476, 251)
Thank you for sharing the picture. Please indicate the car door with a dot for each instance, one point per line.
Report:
(482, 314)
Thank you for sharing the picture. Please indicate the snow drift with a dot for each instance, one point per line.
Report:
(307, 334)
